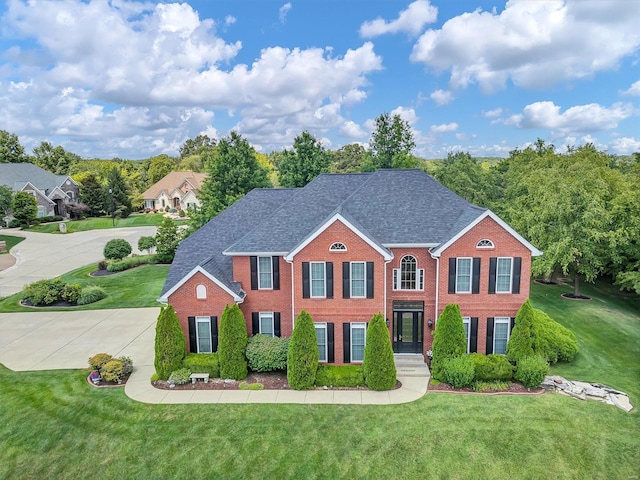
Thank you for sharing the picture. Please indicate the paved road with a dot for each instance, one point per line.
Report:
(45, 255)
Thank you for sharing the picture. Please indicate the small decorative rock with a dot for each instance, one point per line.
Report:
(588, 391)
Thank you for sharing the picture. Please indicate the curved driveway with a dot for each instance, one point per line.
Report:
(46, 255)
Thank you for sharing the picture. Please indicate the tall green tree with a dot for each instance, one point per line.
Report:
(379, 365)
(91, 193)
(159, 167)
(6, 199)
(347, 159)
(54, 159)
(166, 240)
(391, 138)
(303, 355)
(24, 207)
(11, 151)
(117, 194)
(449, 339)
(170, 346)
(232, 343)
(233, 171)
(196, 146)
(306, 161)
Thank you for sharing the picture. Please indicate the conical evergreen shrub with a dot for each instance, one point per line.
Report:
(170, 345)
(232, 343)
(521, 340)
(303, 356)
(449, 339)
(379, 366)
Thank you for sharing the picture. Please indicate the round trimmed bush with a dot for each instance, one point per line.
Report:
(99, 360)
(113, 371)
(232, 343)
(267, 354)
(117, 249)
(491, 368)
(378, 366)
(302, 356)
(531, 371)
(458, 371)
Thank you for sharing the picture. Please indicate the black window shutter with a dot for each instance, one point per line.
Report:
(193, 345)
(214, 333)
(513, 324)
(329, 270)
(305, 280)
(330, 344)
(475, 287)
(346, 280)
(515, 282)
(452, 275)
(369, 279)
(346, 342)
(473, 335)
(489, 335)
(276, 324)
(254, 272)
(276, 272)
(255, 323)
(493, 263)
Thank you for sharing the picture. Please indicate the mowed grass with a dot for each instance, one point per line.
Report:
(134, 288)
(133, 220)
(11, 241)
(54, 425)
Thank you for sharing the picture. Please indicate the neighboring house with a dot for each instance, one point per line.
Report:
(176, 190)
(53, 192)
(345, 247)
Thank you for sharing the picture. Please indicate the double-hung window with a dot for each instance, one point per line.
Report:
(463, 274)
(466, 323)
(358, 277)
(501, 334)
(321, 336)
(318, 279)
(266, 323)
(265, 273)
(203, 334)
(503, 274)
(358, 341)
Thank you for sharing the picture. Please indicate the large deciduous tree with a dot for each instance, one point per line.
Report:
(6, 198)
(306, 161)
(54, 159)
(159, 166)
(11, 151)
(24, 207)
(347, 159)
(196, 146)
(391, 144)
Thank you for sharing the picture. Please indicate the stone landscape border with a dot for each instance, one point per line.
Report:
(587, 391)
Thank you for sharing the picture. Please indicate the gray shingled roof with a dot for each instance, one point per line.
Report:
(16, 175)
(389, 206)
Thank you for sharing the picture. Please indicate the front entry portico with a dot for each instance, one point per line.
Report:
(408, 327)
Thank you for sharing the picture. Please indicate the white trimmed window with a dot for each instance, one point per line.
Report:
(466, 323)
(358, 276)
(463, 274)
(266, 323)
(503, 274)
(318, 279)
(484, 243)
(265, 274)
(408, 276)
(501, 334)
(201, 292)
(42, 211)
(321, 336)
(358, 341)
(203, 334)
(338, 247)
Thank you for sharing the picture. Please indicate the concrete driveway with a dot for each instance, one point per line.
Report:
(63, 340)
(45, 255)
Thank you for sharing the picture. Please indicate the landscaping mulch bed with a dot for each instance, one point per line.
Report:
(104, 384)
(571, 296)
(513, 389)
(58, 303)
(101, 273)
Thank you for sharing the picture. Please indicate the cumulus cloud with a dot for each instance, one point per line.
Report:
(282, 12)
(634, 90)
(532, 44)
(444, 128)
(442, 97)
(412, 20)
(624, 145)
(351, 129)
(496, 112)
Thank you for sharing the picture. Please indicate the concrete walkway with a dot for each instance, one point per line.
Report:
(46, 255)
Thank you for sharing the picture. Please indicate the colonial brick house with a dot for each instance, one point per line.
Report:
(345, 247)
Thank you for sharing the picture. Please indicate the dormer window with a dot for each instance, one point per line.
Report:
(485, 243)
(338, 247)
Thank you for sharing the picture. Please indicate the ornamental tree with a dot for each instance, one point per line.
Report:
(170, 346)
(303, 355)
(378, 366)
(521, 340)
(117, 249)
(166, 240)
(232, 343)
(449, 339)
(24, 207)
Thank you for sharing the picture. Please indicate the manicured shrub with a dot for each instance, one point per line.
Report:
(251, 386)
(71, 292)
(146, 243)
(379, 367)
(116, 249)
(303, 355)
(44, 292)
(113, 371)
(522, 337)
(490, 368)
(203, 363)
(99, 360)
(531, 371)
(102, 265)
(170, 347)
(180, 376)
(267, 354)
(552, 340)
(154, 378)
(340, 376)
(127, 363)
(458, 371)
(130, 262)
(232, 343)
(449, 339)
(91, 294)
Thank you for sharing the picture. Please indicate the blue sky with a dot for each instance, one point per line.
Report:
(136, 79)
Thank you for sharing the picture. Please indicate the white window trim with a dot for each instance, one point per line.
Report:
(270, 272)
(470, 274)
(323, 326)
(206, 320)
(497, 320)
(364, 289)
(467, 321)
(201, 292)
(338, 247)
(397, 277)
(491, 245)
(266, 315)
(353, 326)
(324, 280)
(510, 274)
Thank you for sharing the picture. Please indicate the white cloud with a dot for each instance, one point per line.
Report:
(624, 146)
(442, 97)
(444, 128)
(411, 20)
(533, 44)
(634, 90)
(496, 112)
(283, 12)
(351, 129)
(407, 114)
(229, 20)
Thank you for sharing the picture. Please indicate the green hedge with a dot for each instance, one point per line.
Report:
(340, 376)
(44, 292)
(130, 262)
(490, 368)
(202, 363)
(267, 354)
(458, 371)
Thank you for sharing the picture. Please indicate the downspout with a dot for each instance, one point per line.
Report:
(384, 299)
(293, 298)
(437, 259)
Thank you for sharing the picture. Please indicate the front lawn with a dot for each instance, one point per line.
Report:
(135, 288)
(133, 220)
(56, 426)
(11, 241)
